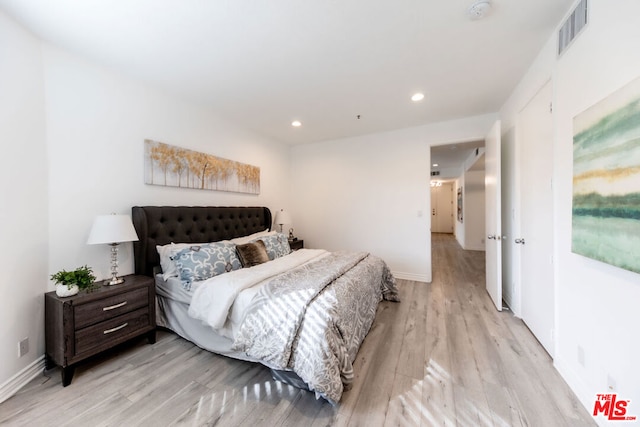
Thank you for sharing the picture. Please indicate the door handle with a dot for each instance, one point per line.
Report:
(520, 241)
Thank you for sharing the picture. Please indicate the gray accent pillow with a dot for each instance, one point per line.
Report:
(251, 254)
(277, 245)
(201, 262)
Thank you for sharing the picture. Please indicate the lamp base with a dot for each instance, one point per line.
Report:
(113, 281)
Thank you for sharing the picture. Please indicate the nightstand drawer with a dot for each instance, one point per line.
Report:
(97, 311)
(112, 331)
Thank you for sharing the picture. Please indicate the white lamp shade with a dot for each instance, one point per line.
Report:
(283, 217)
(112, 229)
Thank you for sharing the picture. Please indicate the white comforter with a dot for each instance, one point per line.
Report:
(213, 298)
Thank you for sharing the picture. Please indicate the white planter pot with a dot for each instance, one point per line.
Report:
(64, 291)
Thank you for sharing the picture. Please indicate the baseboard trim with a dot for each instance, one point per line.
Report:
(508, 298)
(411, 276)
(576, 384)
(480, 248)
(22, 378)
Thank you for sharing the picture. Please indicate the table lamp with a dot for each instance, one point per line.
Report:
(283, 217)
(112, 230)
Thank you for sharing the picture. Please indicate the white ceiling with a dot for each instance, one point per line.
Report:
(450, 158)
(263, 64)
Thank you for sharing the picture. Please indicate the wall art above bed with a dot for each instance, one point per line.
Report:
(172, 166)
(606, 180)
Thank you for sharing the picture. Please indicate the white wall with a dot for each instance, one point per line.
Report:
(72, 138)
(97, 122)
(23, 196)
(470, 233)
(458, 227)
(596, 304)
(473, 208)
(510, 224)
(366, 193)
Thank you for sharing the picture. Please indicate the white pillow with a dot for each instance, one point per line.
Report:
(255, 236)
(169, 268)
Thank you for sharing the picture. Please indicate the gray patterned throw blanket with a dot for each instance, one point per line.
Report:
(313, 319)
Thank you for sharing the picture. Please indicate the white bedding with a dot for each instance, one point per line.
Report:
(327, 327)
(223, 300)
(172, 288)
(220, 302)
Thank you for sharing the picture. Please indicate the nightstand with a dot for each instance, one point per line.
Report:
(90, 322)
(296, 244)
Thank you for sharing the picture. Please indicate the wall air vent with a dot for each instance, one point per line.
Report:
(573, 25)
(435, 173)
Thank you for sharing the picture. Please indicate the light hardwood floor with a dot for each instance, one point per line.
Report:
(444, 356)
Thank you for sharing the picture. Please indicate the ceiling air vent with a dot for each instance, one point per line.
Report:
(573, 25)
(435, 173)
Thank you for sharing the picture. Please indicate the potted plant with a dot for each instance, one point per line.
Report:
(70, 282)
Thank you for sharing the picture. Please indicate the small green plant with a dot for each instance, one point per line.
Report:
(81, 276)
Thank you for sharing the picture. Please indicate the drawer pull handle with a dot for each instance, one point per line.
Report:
(111, 307)
(117, 328)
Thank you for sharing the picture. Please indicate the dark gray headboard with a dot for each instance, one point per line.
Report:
(161, 225)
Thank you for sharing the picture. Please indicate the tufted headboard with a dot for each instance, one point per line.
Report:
(161, 225)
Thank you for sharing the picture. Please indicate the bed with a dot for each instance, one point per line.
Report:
(303, 314)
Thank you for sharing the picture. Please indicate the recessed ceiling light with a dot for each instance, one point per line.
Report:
(296, 123)
(417, 97)
(435, 165)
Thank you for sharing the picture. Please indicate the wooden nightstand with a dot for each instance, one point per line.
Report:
(90, 322)
(296, 244)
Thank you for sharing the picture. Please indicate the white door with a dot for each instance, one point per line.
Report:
(493, 215)
(535, 142)
(435, 228)
(442, 208)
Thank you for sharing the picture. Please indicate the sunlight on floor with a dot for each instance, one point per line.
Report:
(213, 406)
(430, 402)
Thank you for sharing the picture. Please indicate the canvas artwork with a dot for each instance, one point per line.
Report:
(173, 166)
(606, 180)
(459, 204)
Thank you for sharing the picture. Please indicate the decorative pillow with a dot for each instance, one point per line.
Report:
(200, 262)
(251, 254)
(167, 252)
(277, 245)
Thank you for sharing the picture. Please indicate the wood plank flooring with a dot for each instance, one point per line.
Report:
(442, 357)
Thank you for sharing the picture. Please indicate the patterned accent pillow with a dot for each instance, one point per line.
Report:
(251, 254)
(201, 262)
(167, 252)
(277, 245)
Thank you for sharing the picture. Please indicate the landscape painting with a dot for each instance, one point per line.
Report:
(606, 180)
(459, 204)
(172, 166)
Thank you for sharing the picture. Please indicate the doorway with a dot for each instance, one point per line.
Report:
(441, 207)
(462, 166)
(535, 242)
